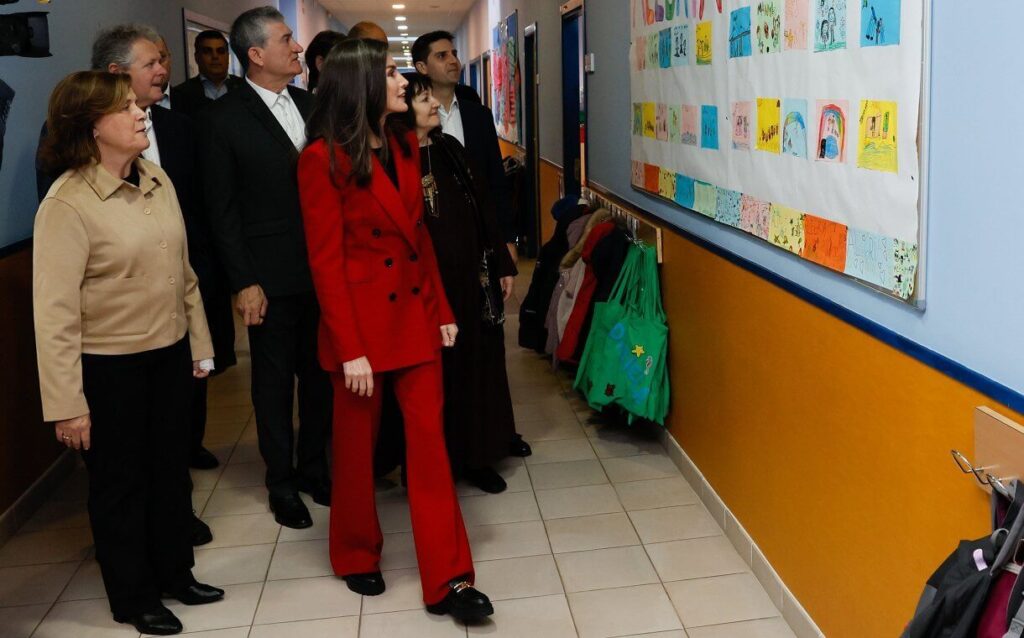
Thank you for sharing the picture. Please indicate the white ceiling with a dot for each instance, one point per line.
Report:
(422, 16)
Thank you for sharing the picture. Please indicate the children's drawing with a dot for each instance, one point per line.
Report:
(675, 118)
(739, 33)
(727, 210)
(637, 174)
(794, 127)
(786, 228)
(640, 53)
(705, 199)
(651, 176)
(681, 45)
(704, 42)
(755, 216)
(870, 257)
(795, 34)
(665, 48)
(741, 126)
(709, 126)
(769, 137)
(652, 50)
(831, 138)
(829, 25)
(824, 242)
(768, 26)
(879, 23)
(688, 130)
(661, 122)
(904, 268)
(638, 118)
(684, 190)
(877, 148)
(667, 184)
(671, 9)
(650, 120)
(659, 11)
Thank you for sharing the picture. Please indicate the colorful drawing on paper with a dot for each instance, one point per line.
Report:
(638, 119)
(870, 257)
(741, 125)
(904, 268)
(739, 33)
(704, 43)
(640, 53)
(705, 199)
(674, 123)
(768, 26)
(652, 51)
(824, 242)
(650, 120)
(709, 126)
(755, 216)
(727, 210)
(665, 48)
(637, 174)
(794, 127)
(651, 176)
(681, 45)
(659, 11)
(685, 190)
(879, 23)
(505, 79)
(877, 148)
(671, 9)
(769, 136)
(786, 228)
(661, 122)
(831, 123)
(795, 35)
(829, 25)
(667, 184)
(700, 13)
(688, 130)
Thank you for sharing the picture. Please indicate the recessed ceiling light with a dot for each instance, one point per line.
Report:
(403, 27)
(399, 18)
(398, 7)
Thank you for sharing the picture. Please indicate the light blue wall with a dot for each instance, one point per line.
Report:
(73, 24)
(975, 243)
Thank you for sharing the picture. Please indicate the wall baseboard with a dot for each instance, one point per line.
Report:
(36, 495)
(792, 611)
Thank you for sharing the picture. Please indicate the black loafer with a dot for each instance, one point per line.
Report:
(486, 479)
(519, 447)
(319, 491)
(464, 603)
(369, 584)
(158, 621)
(290, 511)
(203, 459)
(201, 533)
(197, 594)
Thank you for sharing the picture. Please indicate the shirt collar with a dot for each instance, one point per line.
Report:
(105, 184)
(269, 97)
(455, 106)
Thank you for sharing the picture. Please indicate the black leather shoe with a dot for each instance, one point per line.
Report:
(290, 511)
(320, 491)
(464, 603)
(201, 533)
(486, 479)
(519, 447)
(203, 459)
(158, 621)
(371, 584)
(197, 594)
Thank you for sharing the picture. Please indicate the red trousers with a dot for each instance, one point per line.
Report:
(439, 533)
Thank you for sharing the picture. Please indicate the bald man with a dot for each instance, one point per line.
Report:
(368, 31)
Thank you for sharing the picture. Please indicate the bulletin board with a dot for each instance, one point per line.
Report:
(796, 121)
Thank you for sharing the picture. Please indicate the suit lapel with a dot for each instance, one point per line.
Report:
(302, 101)
(390, 199)
(266, 118)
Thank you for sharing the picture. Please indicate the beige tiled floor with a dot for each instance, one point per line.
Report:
(597, 536)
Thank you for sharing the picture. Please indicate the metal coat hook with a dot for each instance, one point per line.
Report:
(981, 474)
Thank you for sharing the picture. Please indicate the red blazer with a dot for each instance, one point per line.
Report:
(373, 264)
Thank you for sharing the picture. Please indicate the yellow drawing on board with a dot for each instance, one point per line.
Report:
(666, 183)
(704, 42)
(650, 118)
(877, 147)
(786, 228)
(769, 116)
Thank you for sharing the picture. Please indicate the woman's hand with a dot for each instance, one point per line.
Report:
(448, 332)
(74, 433)
(507, 285)
(358, 376)
(198, 372)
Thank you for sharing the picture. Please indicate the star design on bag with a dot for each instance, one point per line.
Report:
(638, 351)
(609, 390)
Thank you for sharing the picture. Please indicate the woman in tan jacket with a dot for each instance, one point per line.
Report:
(120, 332)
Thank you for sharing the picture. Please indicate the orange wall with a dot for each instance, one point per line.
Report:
(549, 175)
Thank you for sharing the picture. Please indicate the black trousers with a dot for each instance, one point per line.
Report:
(283, 348)
(140, 502)
(197, 419)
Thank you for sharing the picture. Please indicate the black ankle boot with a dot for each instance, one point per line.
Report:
(370, 584)
(463, 602)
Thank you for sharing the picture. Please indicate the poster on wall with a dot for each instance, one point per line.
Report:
(793, 120)
(505, 78)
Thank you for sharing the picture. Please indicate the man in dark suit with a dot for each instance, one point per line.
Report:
(213, 81)
(249, 144)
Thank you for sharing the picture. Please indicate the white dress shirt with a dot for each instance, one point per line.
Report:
(285, 112)
(451, 121)
(153, 152)
(165, 101)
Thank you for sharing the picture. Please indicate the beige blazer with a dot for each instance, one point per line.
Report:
(110, 276)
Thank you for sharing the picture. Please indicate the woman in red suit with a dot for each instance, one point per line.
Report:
(383, 312)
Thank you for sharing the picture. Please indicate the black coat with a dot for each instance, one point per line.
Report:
(483, 151)
(251, 190)
(189, 97)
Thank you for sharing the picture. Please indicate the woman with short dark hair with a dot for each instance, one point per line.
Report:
(120, 334)
(383, 312)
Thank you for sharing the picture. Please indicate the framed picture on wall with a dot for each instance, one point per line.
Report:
(195, 23)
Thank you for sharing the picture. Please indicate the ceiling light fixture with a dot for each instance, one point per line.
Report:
(403, 27)
(398, 7)
(399, 18)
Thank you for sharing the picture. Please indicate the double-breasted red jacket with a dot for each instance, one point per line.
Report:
(373, 264)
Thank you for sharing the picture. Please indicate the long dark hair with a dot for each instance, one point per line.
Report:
(418, 83)
(351, 100)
